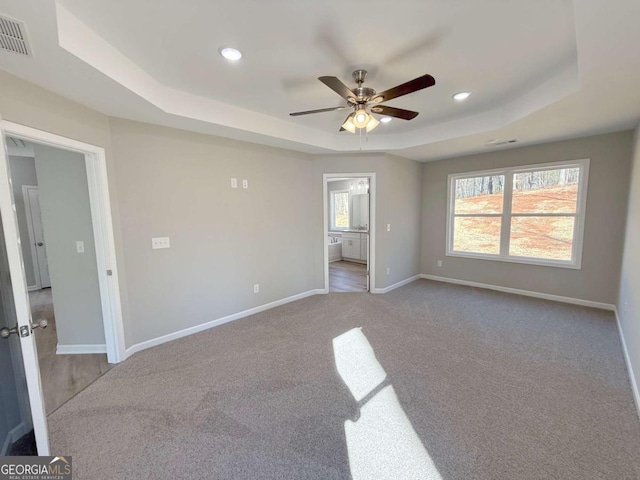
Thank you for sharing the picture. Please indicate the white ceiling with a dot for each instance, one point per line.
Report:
(538, 71)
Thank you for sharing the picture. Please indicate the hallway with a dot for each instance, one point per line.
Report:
(63, 376)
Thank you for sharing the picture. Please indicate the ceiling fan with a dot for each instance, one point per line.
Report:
(365, 101)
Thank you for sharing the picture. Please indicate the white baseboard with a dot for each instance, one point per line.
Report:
(80, 349)
(526, 293)
(627, 359)
(214, 323)
(32, 288)
(395, 285)
(12, 436)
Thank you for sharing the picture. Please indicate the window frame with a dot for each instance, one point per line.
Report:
(507, 215)
(332, 210)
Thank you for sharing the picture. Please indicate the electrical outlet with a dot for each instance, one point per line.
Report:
(439, 263)
(388, 227)
(234, 183)
(245, 183)
(80, 246)
(388, 270)
(256, 288)
(160, 242)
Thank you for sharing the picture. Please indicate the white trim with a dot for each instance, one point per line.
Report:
(13, 436)
(627, 359)
(80, 349)
(32, 288)
(97, 179)
(371, 265)
(526, 293)
(506, 215)
(396, 285)
(32, 241)
(214, 323)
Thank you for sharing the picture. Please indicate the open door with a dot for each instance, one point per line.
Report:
(16, 337)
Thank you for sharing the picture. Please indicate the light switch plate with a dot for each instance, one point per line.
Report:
(245, 183)
(234, 183)
(388, 227)
(160, 242)
(80, 246)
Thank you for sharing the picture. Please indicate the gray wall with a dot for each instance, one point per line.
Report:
(66, 218)
(628, 303)
(26, 104)
(23, 172)
(604, 225)
(403, 208)
(177, 184)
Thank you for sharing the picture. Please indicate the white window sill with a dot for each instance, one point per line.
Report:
(521, 260)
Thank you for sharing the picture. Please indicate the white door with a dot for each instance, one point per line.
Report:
(35, 221)
(13, 280)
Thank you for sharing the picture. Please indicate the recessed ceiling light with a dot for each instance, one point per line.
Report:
(230, 53)
(385, 119)
(461, 96)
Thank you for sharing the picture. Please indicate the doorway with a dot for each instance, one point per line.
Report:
(51, 196)
(349, 232)
(100, 241)
(35, 230)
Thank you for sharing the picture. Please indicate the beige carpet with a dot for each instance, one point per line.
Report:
(496, 387)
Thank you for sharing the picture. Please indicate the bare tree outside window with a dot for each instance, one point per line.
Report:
(525, 213)
(340, 209)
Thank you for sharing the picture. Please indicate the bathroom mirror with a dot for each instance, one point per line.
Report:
(360, 211)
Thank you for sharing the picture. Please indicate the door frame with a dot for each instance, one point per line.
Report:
(32, 239)
(100, 204)
(371, 248)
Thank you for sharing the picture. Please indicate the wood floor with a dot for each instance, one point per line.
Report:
(63, 376)
(347, 277)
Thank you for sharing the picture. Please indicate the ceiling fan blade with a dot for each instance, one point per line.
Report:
(406, 88)
(337, 86)
(321, 110)
(394, 112)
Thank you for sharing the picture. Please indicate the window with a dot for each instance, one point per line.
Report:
(532, 214)
(339, 209)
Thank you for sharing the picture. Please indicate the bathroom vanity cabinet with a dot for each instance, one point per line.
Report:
(354, 246)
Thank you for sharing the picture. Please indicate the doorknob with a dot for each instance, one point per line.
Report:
(40, 324)
(5, 332)
(40, 244)
(22, 331)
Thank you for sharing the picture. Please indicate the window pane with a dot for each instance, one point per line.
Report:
(341, 210)
(542, 237)
(479, 194)
(546, 191)
(477, 234)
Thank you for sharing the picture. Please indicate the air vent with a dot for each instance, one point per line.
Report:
(13, 36)
(498, 143)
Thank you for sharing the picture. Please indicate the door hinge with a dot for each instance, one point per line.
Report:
(25, 331)
(109, 273)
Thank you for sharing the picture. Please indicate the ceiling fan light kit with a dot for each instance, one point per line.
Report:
(361, 118)
(348, 125)
(373, 123)
(366, 101)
